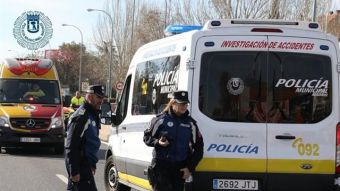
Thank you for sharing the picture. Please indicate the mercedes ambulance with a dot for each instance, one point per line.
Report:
(265, 95)
(30, 104)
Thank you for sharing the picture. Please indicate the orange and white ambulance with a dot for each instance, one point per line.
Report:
(30, 104)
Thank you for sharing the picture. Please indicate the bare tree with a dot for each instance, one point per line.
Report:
(149, 27)
(275, 11)
(122, 22)
(240, 9)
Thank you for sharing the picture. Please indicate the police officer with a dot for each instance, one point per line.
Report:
(178, 145)
(82, 142)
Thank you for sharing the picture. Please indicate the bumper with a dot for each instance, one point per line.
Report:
(53, 137)
(271, 181)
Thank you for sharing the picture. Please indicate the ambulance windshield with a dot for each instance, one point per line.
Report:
(29, 91)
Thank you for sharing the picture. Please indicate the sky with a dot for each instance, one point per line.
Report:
(335, 5)
(60, 12)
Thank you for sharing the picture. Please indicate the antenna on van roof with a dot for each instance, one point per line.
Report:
(177, 29)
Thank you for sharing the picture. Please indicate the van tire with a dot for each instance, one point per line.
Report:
(111, 177)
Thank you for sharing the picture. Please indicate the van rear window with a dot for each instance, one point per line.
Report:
(265, 87)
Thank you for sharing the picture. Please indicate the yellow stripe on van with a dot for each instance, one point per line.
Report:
(123, 176)
(15, 111)
(297, 166)
(259, 165)
(135, 180)
(232, 165)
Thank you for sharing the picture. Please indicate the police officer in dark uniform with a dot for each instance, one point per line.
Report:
(82, 142)
(178, 145)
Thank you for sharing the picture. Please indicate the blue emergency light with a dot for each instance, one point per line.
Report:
(177, 29)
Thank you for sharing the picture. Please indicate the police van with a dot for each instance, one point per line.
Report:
(265, 97)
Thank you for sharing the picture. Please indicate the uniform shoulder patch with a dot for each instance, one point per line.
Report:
(81, 111)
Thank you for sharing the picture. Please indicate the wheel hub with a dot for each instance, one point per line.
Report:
(113, 177)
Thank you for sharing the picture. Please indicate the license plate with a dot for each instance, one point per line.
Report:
(30, 139)
(235, 184)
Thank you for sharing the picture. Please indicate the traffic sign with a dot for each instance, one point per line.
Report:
(84, 86)
(119, 86)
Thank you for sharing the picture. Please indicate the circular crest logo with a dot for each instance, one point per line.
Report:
(235, 86)
(170, 124)
(30, 108)
(33, 30)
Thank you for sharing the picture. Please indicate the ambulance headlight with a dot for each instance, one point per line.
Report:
(56, 122)
(4, 122)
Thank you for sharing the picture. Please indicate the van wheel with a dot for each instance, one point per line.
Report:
(111, 177)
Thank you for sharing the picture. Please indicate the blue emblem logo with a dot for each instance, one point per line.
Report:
(33, 23)
(33, 30)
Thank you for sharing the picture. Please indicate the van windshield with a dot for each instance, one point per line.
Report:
(265, 87)
(29, 91)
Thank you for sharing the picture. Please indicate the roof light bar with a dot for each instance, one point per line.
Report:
(177, 29)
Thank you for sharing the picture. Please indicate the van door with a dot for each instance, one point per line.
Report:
(228, 96)
(119, 146)
(302, 114)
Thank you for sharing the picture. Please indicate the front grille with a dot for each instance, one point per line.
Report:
(30, 123)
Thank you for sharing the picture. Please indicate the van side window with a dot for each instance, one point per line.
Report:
(265, 87)
(154, 81)
(123, 103)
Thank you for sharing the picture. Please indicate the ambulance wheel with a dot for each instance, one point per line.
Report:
(111, 177)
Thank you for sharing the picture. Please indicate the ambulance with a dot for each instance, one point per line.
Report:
(30, 104)
(265, 94)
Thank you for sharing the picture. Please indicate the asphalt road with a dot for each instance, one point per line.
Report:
(39, 169)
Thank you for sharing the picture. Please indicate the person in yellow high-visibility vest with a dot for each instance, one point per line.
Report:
(77, 100)
(35, 92)
(144, 87)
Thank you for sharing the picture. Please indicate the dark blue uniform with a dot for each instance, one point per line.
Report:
(184, 151)
(82, 146)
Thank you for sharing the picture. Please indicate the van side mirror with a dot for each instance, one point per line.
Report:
(105, 114)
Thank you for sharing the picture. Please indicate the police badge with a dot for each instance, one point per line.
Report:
(32, 30)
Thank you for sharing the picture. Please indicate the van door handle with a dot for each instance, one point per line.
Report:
(124, 128)
(287, 137)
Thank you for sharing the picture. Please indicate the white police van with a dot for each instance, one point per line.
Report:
(265, 97)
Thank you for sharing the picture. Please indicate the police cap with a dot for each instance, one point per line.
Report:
(181, 96)
(99, 90)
